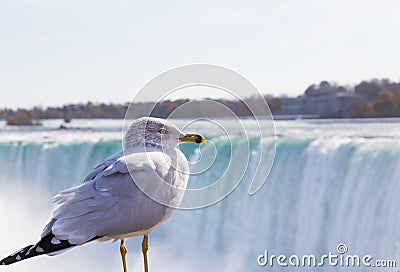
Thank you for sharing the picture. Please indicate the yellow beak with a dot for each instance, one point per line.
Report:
(193, 138)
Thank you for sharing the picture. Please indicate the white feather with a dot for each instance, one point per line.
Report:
(110, 205)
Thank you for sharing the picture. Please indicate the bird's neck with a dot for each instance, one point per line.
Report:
(150, 147)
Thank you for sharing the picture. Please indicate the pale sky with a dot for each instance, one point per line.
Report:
(54, 52)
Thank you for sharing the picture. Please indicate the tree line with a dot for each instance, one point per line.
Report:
(117, 111)
(380, 98)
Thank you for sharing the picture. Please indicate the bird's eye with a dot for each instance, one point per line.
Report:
(162, 131)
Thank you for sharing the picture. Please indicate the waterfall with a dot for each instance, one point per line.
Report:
(321, 192)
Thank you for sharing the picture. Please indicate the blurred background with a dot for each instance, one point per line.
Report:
(329, 70)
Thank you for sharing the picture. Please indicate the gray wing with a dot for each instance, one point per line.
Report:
(110, 204)
(98, 169)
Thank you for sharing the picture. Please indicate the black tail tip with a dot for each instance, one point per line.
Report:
(48, 244)
(17, 256)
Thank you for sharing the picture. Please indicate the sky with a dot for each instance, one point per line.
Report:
(54, 52)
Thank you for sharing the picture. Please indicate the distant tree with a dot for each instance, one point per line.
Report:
(369, 89)
(275, 104)
(324, 87)
(386, 104)
(362, 110)
(21, 118)
(324, 84)
(310, 89)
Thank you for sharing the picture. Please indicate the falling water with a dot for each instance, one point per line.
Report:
(331, 183)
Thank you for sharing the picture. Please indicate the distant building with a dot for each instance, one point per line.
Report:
(323, 101)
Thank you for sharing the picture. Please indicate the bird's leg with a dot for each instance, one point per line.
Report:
(145, 247)
(123, 251)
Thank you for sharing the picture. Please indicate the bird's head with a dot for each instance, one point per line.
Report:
(150, 131)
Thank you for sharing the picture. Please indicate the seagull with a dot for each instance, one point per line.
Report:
(112, 203)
